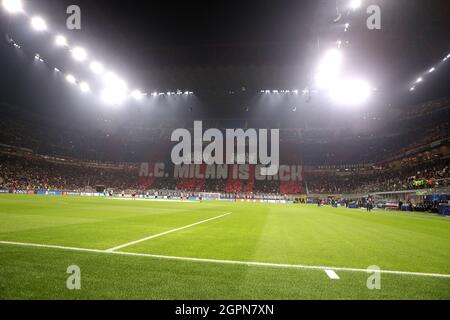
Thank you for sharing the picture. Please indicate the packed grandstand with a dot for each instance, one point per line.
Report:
(334, 164)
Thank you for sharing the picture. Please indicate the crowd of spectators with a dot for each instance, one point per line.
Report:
(31, 173)
(426, 175)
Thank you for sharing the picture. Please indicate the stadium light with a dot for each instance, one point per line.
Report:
(432, 70)
(71, 79)
(56, 70)
(38, 57)
(84, 87)
(412, 89)
(137, 95)
(97, 67)
(115, 90)
(13, 6)
(79, 54)
(61, 41)
(329, 69)
(419, 80)
(355, 4)
(38, 24)
(351, 92)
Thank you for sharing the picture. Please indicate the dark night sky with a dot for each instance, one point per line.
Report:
(217, 46)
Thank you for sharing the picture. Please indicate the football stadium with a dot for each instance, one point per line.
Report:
(253, 151)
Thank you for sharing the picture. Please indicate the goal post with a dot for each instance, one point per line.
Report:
(210, 195)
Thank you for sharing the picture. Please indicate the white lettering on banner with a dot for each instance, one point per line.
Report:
(217, 172)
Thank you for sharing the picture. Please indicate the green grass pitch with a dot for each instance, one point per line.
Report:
(279, 234)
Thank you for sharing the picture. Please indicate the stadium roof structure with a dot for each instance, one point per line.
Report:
(237, 47)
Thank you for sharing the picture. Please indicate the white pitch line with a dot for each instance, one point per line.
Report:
(230, 262)
(332, 275)
(166, 232)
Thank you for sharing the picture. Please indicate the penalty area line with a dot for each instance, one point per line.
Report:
(229, 262)
(166, 232)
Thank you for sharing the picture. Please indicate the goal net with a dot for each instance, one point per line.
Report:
(210, 196)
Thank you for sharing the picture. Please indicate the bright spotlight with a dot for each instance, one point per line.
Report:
(84, 87)
(79, 54)
(97, 67)
(329, 69)
(57, 70)
(412, 89)
(351, 92)
(432, 70)
(61, 41)
(38, 24)
(71, 79)
(137, 94)
(13, 6)
(355, 4)
(419, 80)
(115, 91)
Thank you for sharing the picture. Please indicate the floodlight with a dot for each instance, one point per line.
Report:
(84, 87)
(412, 89)
(61, 41)
(57, 70)
(38, 24)
(13, 6)
(419, 80)
(38, 57)
(329, 69)
(432, 70)
(137, 94)
(79, 54)
(97, 67)
(351, 92)
(355, 4)
(71, 79)
(115, 91)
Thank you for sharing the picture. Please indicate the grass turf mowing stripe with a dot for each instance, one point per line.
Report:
(230, 262)
(167, 232)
